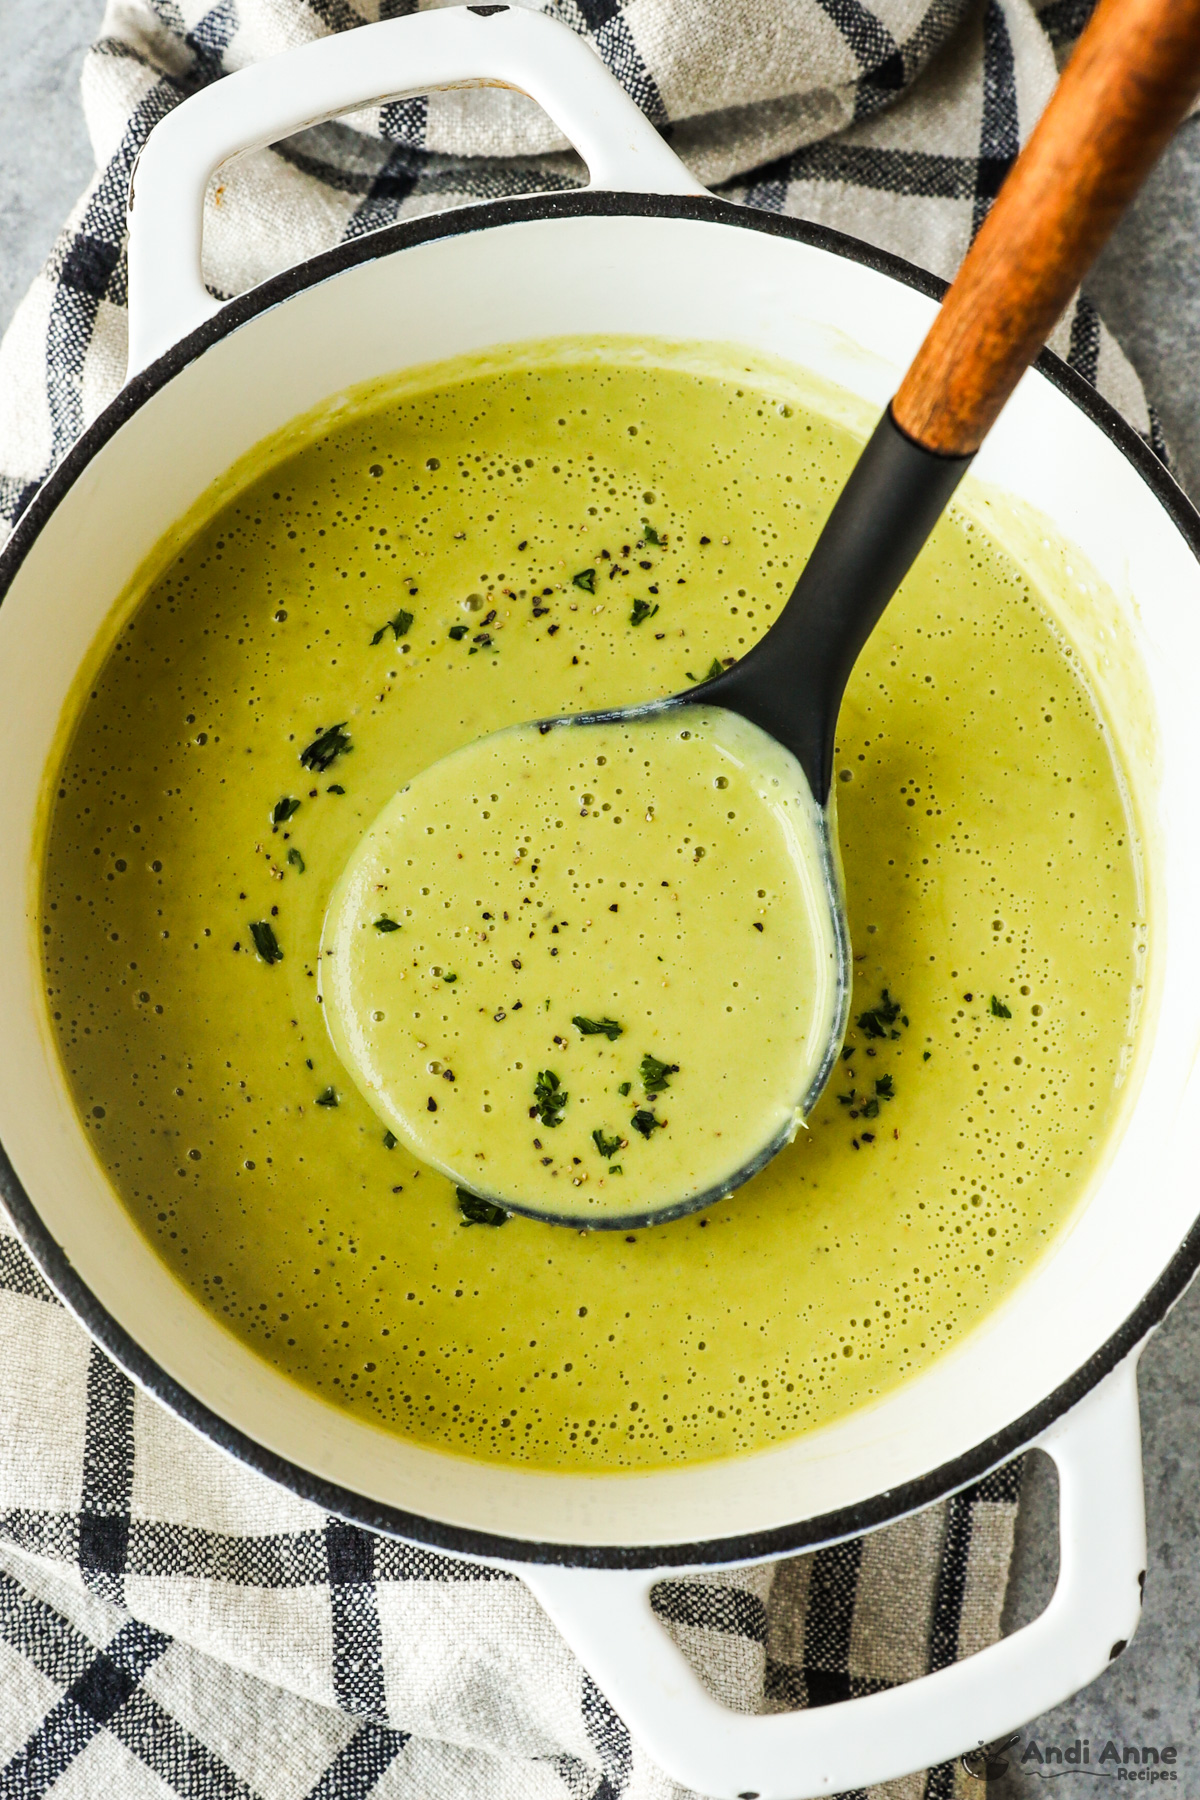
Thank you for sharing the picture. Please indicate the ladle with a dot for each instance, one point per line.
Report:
(1130, 81)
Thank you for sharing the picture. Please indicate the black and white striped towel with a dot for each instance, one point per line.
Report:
(171, 1623)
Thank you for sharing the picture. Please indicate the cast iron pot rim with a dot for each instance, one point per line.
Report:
(847, 1521)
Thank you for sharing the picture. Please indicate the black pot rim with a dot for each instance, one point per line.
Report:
(846, 1521)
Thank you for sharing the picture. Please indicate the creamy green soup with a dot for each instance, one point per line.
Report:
(591, 970)
(383, 588)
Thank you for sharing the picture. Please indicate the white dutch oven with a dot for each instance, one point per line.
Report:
(642, 251)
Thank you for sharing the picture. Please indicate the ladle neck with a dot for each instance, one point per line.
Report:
(791, 683)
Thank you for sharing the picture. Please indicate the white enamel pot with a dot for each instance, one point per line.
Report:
(642, 251)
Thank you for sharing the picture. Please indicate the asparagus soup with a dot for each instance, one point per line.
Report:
(552, 530)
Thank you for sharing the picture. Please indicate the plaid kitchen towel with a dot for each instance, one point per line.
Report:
(170, 1622)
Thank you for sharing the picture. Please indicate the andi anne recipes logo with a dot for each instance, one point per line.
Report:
(1086, 1757)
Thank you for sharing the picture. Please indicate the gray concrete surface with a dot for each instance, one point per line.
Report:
(1148, 289)
(45, 157)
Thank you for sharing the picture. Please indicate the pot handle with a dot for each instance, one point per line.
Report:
(607, 1619)
(454, 47)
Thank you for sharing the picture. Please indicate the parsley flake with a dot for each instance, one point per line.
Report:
(390, 1140)
(642, 609)
(384, 924)
(265, 941)
(645, 1122)
(877, 1021)
(655, 1075)
(399, 626)
(296, 860)
(325, 748)
(868, 1108)
(716, 667)
(459, 631)
(607, 1146)
(327, 1097)
(549, 1098)
(586, 579)
(598, 1027)
(476, 1210)
(284, 809)
(650, 536)
(999, 1010)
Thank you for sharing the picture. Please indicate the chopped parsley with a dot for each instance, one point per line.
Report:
(642, 609)
(549, 1098)
(335, 787)
(385, 924)
(265, 941)
(327, 1097)
(476, 1210)
(586, 579)
(863, 1106)
(390, 1140)
(999, 1010)
(716, 667)
(607, 1146)
(624, 1087)
(399, 626)
(449, 977)
(655, 1075)
(645, 1122)
(879, 1020)
(650, 536)
(325, 748)
(283, 810)
(459, 631)
(598, 1027)
(296, 860)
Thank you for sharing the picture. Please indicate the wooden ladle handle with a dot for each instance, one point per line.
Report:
(1134, 73)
